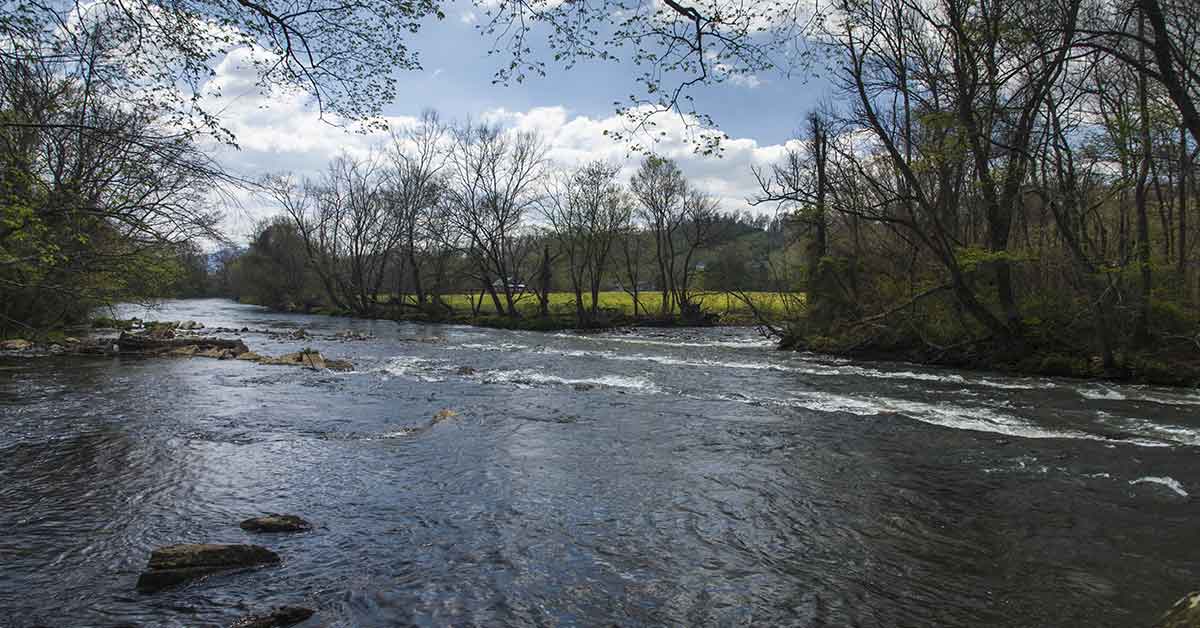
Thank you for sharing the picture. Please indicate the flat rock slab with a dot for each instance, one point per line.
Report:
(176, 564)
(1184, 614)
(276, 618)
(276, 523)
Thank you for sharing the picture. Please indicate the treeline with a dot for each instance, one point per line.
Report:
(480, 210)
(1003, 179)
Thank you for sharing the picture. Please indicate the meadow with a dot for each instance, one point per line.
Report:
(731, 309)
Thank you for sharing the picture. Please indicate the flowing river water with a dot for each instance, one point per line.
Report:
(658, 477)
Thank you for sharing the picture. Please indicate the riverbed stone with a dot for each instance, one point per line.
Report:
(176, 564)
(16, 344)
(275, 618)
(466, 370)
(274, 522)
(1184, 614)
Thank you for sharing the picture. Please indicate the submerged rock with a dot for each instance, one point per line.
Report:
(466, 370)
(176, 564)
(272, 522)
(276, 618)
(1184, 614)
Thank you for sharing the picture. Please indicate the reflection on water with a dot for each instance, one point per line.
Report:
(683, 477)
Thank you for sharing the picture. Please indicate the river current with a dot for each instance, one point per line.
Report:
(684, 477)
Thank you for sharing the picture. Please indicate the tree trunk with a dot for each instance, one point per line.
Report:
(544, 278)
(1185, 167)
(1141, 329)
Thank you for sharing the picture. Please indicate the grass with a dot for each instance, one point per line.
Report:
(731, 309)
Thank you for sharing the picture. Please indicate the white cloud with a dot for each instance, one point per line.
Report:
(468, 17)
(282, 132)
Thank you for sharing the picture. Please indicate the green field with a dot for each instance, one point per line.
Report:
(731, 309)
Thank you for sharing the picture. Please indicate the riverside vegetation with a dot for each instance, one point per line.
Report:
(1002, 185)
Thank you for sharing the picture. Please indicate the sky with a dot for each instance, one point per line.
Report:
(570, 108)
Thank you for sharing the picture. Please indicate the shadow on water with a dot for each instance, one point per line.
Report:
(681, 477)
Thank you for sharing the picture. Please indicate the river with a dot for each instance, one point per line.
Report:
(679, 477)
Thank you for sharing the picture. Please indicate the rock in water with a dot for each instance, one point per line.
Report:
(17, 344)
(338, 365)
(277, 618)
(175, 564)
(1184, 614)
(272, 522)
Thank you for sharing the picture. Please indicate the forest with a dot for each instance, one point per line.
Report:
(994, 183)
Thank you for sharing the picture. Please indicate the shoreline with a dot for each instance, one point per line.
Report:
(1167, 369)
(1148, 368)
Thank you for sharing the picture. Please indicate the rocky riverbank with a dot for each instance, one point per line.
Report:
(171, 339)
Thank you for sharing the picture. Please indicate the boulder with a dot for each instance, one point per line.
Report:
(146, 345)
(16, 344)
(298, 334)
(339, 365)
(272, 522)
(581, 386)
(161, 333)
(275, 618)
(175, 564)
(310, 359)
(250, 356)
(1184, 614)
(466, 370)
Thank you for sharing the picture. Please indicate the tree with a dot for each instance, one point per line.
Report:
(588, 210)
(417, 154)
(493, 179)
(661, 189)
(95, 198)
(156, 58)
(348, 224)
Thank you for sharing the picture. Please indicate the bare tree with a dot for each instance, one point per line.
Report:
(696, 231)
(417, 155)
(588, 210)
(493, 179)
(661, 189)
